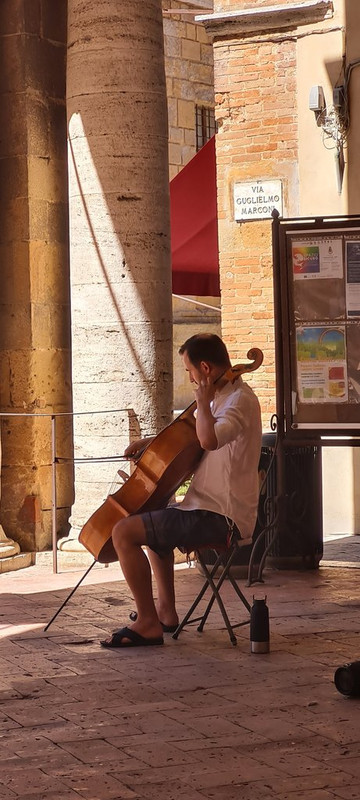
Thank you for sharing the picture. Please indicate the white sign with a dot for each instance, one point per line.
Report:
(257, 200)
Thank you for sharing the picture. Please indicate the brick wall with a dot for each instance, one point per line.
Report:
(255, 93)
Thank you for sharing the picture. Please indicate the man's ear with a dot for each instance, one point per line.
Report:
(205, 367)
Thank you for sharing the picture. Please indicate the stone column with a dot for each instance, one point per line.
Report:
(34, 315)
(7, 546)
(119, 233)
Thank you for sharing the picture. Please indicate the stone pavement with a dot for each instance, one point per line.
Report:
(197, 718)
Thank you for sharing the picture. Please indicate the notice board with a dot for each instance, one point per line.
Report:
(317, 271)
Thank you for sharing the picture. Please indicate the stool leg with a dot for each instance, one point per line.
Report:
(239, 593)
(198, 598)
(216, 596)
(215, 584)
(190, 612)
(210, 583)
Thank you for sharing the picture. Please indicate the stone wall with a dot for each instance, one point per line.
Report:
(189, 81)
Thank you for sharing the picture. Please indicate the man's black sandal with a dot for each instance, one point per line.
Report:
(166, 628)
(127, 637)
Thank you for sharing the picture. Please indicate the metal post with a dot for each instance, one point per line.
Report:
(53, 492)
(279, 375)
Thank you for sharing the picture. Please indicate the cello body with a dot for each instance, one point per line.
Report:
(168, 461)
(160, 470)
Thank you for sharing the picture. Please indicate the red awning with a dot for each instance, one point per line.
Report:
(194, 236)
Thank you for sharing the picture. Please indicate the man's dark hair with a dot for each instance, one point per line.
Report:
(206, 347)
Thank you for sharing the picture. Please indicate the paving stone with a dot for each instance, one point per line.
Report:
(6, 723)
(245, 741)
(257, 791)
(99, 785)
(170, 790)
(316, 794)
(250, 771)
(92, 751)
(351, 792)
(348, 764)
(152, 774)
(32, 716)
(215, 725)
(166, 755)
(344, 730)
(159, 724)
(59, 794)
(24, 743)
(30, 781)
(63, 732)
(328, 780)
(6, 793)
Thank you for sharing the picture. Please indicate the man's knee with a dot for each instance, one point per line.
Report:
(128, 532)
(121, 533)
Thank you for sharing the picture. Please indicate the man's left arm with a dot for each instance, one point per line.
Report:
(230, 424)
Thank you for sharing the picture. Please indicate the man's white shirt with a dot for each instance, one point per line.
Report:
(226, 480)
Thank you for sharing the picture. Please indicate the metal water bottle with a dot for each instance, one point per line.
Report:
(259, 627)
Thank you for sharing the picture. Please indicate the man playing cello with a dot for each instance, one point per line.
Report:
(223, 494)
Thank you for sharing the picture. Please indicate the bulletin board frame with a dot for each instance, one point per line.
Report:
(316, 264)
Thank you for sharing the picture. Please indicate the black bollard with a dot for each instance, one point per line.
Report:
(259, 627)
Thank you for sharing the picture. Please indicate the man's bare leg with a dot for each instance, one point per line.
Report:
(128, 538)
(163, 569)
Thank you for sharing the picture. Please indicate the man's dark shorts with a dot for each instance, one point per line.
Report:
(187, 530)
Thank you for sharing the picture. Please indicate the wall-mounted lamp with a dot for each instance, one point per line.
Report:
(334, 124)
(317, 102)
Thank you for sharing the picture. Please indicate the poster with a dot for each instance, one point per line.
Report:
(321, 364)
(353, 360)
(317, 258)
(352, 256)
(318, 274)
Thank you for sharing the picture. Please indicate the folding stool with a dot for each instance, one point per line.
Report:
(224, 559)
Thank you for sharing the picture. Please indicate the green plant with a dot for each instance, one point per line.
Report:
(181, 491)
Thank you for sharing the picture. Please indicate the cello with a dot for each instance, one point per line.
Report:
(165, 463)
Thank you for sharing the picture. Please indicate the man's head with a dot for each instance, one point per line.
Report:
(204, 355)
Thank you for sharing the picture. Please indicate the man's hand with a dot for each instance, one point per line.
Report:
(205, 422)
(204, 392)
(135, 449)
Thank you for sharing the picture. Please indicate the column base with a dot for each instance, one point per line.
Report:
(20, 561)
